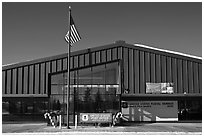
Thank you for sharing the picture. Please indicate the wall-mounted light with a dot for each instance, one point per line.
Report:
(126, 91)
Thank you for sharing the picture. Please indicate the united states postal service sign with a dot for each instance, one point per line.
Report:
(151, 110)
(95, 117)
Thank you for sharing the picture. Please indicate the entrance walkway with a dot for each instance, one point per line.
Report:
(132, 128)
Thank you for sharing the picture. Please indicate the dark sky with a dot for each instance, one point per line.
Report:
(36, 30)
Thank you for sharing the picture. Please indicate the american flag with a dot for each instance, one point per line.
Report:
(74, 37)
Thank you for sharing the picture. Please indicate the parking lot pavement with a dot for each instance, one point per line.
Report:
(132, 128)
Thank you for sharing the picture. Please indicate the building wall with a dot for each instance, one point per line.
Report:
(139, 66)
(32, 77)
(142, 66)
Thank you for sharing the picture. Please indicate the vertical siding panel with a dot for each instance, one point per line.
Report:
(8, 81)
(147, 67)
(42, 76)
(78, 61)
(45, 80)
(106, 58)
(25, 80)
(28, 80)
(23, 83)
(136, 69)
(185, 76)
(16, 89)
(3, 82)
(39, 79)
(31, 80)
(13, 89)
(131, 73)
(75, 61)
(45, 74)
(36, 91)
(48, 69)
(163, 69)
(58, 64)
(81, 60)
(200, 77)
(71, 62)
(34, 79)
(168, 70)
(125, 55)
(20, 80)
(54, 66)
(174, 72)
(87, 60)
(62, 65)
(109, 55)
(152, 68)
(190, 74)
(133, 59)
(122, 73)
(195, 77)
(97, 57)
(180, 75)
(128, 69)
(65, 63)
(11, 83)
(100, 56)
(144, 84)
(114, 53)
(93, 57)
(158, 68)
(34, 66)
(119, 53)
(84, 60)
(103, 55)
(14, 81)
(142, 75)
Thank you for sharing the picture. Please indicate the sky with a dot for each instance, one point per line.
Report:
(36, 30)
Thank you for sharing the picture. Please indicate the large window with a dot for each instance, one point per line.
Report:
(93, 89)
(18, 109)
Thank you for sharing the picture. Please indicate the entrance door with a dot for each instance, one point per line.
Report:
(190, 109)
(92, 90)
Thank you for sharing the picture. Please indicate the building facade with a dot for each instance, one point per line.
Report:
(108, 78)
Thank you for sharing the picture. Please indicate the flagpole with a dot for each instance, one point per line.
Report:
(68, 68)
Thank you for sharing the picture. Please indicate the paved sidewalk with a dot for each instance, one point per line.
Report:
(131, 128)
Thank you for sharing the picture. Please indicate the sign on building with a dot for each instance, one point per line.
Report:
(151, 110)
(159, 88)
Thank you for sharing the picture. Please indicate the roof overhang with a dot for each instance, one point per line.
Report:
(167, 51)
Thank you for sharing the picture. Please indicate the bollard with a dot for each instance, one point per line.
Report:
(75, 121)
(60, 121)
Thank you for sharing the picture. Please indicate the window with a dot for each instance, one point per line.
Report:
(93, 89)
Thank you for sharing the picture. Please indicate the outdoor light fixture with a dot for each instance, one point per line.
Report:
(126, 91)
